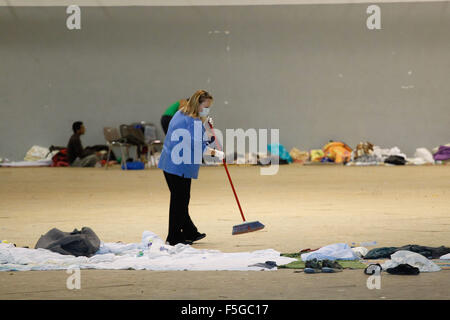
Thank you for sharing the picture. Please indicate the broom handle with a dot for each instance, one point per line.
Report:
(228, 173)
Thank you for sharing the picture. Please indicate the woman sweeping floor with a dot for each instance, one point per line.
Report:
(180, 161)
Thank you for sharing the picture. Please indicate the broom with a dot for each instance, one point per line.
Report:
(246, 226)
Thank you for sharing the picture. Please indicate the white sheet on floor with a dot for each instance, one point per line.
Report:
(39, 163)
(337, 251)
(411, 258)
(158, 256)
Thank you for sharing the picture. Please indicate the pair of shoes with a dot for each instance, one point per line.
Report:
(198, 236)
(325, 266)
(313, 266)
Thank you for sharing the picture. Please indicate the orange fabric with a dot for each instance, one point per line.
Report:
(338, 151)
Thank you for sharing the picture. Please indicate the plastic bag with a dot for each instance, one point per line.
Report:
(413, 259)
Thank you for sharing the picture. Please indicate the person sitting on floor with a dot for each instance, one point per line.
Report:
(78, 156)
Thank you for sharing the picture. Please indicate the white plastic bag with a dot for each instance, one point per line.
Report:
(360, 251)
(36, 153)
(424, 154)
(411, 258)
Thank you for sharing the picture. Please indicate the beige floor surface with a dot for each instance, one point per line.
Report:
(301, 206)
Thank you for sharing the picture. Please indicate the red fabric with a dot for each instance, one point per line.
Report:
(60, 159)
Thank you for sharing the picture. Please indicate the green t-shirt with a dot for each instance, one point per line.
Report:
(170, 111)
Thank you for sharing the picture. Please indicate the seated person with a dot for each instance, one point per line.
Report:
(78, 156)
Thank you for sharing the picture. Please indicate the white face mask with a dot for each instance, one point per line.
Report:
(204, 112)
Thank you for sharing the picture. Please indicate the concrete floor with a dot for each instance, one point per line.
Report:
(301, 206)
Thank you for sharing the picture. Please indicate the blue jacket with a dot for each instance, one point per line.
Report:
(183, 147)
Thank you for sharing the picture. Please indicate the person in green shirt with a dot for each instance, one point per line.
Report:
(170, 112)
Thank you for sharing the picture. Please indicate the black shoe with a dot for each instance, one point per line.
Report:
(403, 269)
(198, 236)
(187, 242)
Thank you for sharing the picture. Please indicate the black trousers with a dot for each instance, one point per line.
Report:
(181, 226)
(165, 120)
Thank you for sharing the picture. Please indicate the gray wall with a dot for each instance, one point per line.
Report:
(313, 71)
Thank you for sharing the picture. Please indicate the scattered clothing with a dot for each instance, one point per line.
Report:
(421, 156)
(366, 154)
(338, 251)
(403, 269)
(445, 256)
(362, 149)
(428, 252)
(365, 159)
(396, 160)
(156, 255)
(411, 258)
(299, 156)
(316, 155)
(299, 264)
(75, 243)
(61, 159)
(442, 154)
(338, 152)
(276, 149)
(383, 154)
(379, 253)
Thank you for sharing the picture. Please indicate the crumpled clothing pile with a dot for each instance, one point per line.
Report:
(413, 259)
(150, 254)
